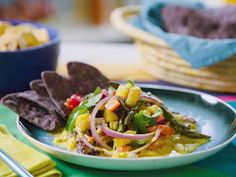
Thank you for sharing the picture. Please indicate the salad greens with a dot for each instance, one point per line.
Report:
(142, 121)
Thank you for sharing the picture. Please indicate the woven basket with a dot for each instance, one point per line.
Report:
(159, 59)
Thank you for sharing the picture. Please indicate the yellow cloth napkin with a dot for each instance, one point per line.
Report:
(36, 163)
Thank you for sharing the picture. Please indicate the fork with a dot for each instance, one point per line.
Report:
(16, 167)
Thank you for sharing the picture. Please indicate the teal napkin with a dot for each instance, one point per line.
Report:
(198, 52)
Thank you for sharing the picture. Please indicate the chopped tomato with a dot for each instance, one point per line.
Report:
(152, 128)
(112, 104)
(160, 119)
(73, 101)
(165, 130)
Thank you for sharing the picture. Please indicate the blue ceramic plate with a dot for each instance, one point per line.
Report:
(215, 118)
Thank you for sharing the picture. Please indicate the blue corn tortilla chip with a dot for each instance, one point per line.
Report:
(82, 80)
(87, 77)
(59, 89)
(44, 105)
(215, 23)
(30, 107)
(44, 102)
(39, 87)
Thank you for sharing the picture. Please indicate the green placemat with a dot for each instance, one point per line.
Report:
(223, 164)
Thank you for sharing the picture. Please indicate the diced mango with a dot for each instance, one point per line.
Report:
(83, 122)
(122, 91)
(110, 116)
(113, 125)
(72, 143)
(120, 142)
(133, 96)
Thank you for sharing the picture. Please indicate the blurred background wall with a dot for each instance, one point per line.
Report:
(77, 20)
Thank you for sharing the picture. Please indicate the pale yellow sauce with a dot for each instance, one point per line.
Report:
(175, 145)
(61, 139)
(171, 146)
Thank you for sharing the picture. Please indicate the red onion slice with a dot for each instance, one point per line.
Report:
(110, 132)
(90, 146)
(93, 126)
(116, 134)
(155, 137)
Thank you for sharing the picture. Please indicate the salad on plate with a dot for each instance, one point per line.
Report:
(123, 122)
(88, 114)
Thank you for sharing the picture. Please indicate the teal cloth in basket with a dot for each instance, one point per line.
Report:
(198, 52)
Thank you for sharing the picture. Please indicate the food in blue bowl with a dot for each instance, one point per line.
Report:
(34, 50)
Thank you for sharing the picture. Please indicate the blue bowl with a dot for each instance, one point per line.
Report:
(18, 68)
